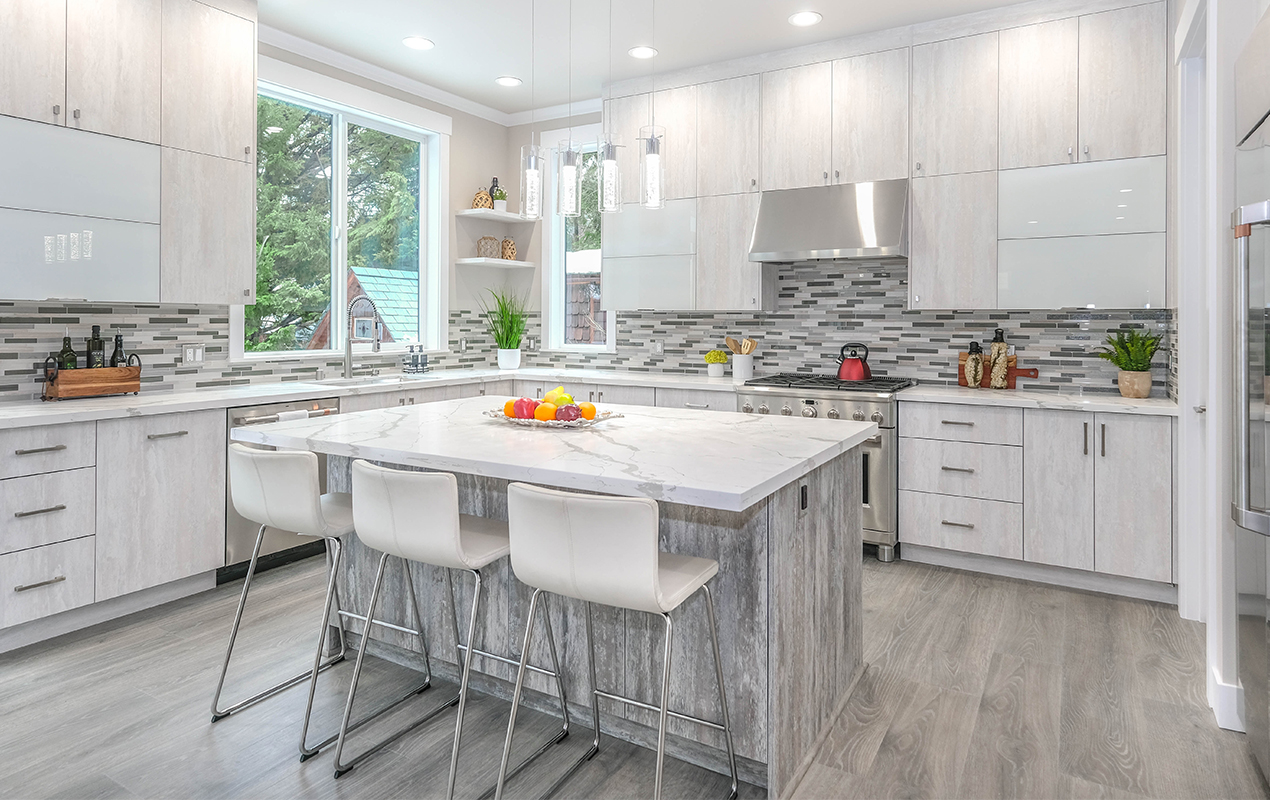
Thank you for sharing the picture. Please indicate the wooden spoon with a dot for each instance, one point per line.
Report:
(748, 346)
(733, 344)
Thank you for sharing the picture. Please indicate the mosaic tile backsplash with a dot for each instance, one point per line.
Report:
(821, 306)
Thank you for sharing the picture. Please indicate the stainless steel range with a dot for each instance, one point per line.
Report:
(802, 395)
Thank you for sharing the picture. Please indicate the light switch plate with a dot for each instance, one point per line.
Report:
(192, 353)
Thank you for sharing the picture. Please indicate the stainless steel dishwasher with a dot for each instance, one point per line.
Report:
(240, 533)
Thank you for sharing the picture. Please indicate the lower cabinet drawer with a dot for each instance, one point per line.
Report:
(47, 448)
(987, 527)
(43, 509)
(695, 399)
(46, 580)
(983, 471)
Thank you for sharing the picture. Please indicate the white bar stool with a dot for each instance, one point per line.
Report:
(604, 550)
(280, 489)
(414, 516)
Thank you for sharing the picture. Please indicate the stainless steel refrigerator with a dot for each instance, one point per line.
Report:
(1250, 506)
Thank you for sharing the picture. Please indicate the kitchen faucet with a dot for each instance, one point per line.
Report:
(348, 339)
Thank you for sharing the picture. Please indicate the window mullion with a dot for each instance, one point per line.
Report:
(339, 233)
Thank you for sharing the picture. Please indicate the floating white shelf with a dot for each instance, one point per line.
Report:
(504, 263)
(493, 216)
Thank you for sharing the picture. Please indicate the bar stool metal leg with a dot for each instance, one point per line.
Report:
(467, 671)
(219, 713)
(336, 550)
(723, 694)
(663, 716)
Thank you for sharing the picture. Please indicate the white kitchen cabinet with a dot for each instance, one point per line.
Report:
(1039, 93)
(676, 111)
(46, 580)
(1133, 487)
(968, 525)
(729, 135)
(33, 60)
(1058, 488)
(621, 395)
(209, 81)
(114, 66)
(208, 229)
(1117, 271)
(1123, 82)
(870, 117)
(696, 399)
(36, 510)
(954, 111)
(351, 404)
(953, 253)
(625, 116)
(797, 126)
(726, 278)
(160, 500)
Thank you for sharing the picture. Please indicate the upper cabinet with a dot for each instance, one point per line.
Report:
(1123, 82)
(729, 130)
(797, 126)
(870, 117)
(209, 80)
(113, 67)
(954, 125)
(1038, 94)
(726, 279)
(33, 60)
(676, 111)
(208, 229)
(953, 256)
(626, 115)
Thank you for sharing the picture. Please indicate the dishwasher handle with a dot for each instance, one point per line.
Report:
(242, 422)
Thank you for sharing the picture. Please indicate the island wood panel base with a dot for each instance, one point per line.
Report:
(788, 600)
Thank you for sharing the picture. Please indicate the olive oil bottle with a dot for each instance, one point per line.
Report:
(67, 358)
(119, 358)
(96, 356)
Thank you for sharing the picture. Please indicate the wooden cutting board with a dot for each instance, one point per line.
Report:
(1012, 371)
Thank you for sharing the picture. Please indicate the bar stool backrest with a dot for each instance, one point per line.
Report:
(598, 549)
(414, 515)
(278, 488)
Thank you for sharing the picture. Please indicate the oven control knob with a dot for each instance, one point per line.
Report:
(809, 411)
(876, 417)
(858, 416)
(747, 409)
(786, 411)
(833, 413)
(763, 409)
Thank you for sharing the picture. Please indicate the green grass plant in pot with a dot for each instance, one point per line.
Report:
(1132, 352)
(506, 319)
(499, 196)
(715, 360)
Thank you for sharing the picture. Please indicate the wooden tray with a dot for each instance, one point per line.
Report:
(66, 384)
(1012, 371)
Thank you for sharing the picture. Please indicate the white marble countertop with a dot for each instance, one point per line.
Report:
(697, 458)
(1019, 398)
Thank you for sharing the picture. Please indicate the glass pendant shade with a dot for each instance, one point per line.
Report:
(531, 181)
(569, 181)
(609, 174)
(652, 172)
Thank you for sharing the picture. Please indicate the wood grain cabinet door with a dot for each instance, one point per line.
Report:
(953, 255)
(870, 117)
(797, 126)
(726, 278)
(160, 500)
(676, 111)
(729, 131)
(114, 60)
(1058, 488)
(33, 60)
(1038, 94)
(1123, 82)
(955, 106)
(1133, 496)
(625, 116)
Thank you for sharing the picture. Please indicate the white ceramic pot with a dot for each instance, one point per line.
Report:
(500, 205)
(742, 368)
(715, 370)
(508, 359)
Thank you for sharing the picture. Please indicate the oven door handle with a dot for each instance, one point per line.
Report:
(875, 439)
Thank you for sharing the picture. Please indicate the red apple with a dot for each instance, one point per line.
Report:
(524, 408)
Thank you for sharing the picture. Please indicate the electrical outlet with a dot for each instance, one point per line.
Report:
(659, 347)
(192, 353)
(462, 344)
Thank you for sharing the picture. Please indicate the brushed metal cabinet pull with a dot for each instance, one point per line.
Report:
(599, 396)
(966, 470)
(49, 510)
(171, 435)
(966, 525)
(48, 582)
(697, 405)
(1104, 440)
(32, 451)
(1086, 438)
(956, 422)
(591, 396)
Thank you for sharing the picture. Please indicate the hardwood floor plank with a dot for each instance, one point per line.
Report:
(857, 734)
(923, 752)
(1032, 623)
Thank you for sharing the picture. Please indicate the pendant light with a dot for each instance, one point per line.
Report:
(569, 174)
(531, 154)
(609, 175)
(652, 140)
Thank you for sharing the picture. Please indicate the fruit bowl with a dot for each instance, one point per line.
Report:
(600, 416)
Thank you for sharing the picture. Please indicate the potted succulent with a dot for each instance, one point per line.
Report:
(715, 359)
(506, 320)
(1132, 352)
(499, 195)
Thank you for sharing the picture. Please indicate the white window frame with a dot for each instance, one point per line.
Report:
(553, 284)
(354, 105)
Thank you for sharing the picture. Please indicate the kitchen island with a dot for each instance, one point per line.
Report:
(776, 501)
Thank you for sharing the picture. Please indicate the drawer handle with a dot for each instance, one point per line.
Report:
(966, 525)
(49, 510)
(35, 450)
(966, 470)
(696, 405)
(31, 586)
(956, 422)
(171, 435)
(874, 439)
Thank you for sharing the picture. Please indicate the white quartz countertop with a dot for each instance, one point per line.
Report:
(697, 458)
(1058, 401)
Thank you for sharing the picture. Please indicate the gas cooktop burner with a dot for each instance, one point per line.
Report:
(799, 380)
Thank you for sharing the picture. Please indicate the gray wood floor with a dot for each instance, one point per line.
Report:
(982, 687)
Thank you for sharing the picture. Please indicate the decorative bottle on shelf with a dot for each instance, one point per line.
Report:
(119, 358)
(998, 357)
(96, 356)
(67, 358)
(974, 366)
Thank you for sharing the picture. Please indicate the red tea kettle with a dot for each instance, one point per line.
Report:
(851, 365)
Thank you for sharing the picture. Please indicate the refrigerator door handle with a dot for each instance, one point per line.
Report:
(1243, 516)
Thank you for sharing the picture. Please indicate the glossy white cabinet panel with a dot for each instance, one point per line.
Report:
(73, 172)
(1115, 271)
(1124, 67)
(954, 122)
(729, 130)
(33, 59)
(1039, 93)
(664, 283)
(639, 231)
(1121, 196)
(797, 126)
(870, 117)
(62, 256)
(113, 67)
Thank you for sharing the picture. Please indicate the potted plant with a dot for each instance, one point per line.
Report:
(506, 320)
(715, 359)
(1132, 352)
(499, 196)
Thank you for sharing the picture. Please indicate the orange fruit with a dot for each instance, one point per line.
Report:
(588, 410)
(509, 408)
(545, 412)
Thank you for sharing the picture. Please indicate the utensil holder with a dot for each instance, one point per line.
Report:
(742, 367)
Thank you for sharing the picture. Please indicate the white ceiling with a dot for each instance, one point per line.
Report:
(479, 41)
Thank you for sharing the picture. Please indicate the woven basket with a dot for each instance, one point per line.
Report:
(509, 249)
(482, 200)
(487, 247)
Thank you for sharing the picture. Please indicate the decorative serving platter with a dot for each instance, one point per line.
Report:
(601, 416)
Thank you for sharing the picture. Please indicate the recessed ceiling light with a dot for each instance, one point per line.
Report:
(418, 43)
(804, 19)
(1123, 205)
(1033, 222)
(1119, 217)
(642, 51)
(507, 80)
(1125, 190)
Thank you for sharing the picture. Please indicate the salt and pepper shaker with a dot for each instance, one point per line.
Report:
(998, 361)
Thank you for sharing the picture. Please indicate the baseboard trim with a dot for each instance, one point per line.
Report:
(39, 630)
(1042, 573)
(1227, 702)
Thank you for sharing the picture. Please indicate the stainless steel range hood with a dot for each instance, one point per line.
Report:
(853, 220)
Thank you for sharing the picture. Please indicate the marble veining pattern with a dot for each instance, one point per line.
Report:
(1055, 401)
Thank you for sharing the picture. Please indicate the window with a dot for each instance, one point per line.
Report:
(341, 210)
